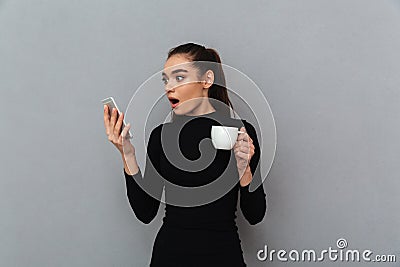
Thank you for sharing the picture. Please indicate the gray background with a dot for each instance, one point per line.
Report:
(329, 69)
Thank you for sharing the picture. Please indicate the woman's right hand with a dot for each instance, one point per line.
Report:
(113, 129)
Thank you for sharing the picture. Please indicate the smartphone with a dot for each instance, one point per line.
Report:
(110, 102)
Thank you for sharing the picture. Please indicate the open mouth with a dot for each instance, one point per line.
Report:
(174, 101)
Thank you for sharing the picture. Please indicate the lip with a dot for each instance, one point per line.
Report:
(173, 105)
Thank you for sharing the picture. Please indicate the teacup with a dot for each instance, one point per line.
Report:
(224, 137)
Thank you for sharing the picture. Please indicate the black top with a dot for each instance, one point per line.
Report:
(201, 187)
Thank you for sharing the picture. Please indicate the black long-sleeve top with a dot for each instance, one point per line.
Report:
(180, 157)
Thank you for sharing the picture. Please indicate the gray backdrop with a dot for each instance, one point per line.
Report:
(329, 69)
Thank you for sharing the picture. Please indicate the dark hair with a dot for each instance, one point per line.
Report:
(201, 57)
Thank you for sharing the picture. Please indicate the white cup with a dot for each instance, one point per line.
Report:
(224, 137)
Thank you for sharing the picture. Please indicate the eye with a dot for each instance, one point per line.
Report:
(164, 80)
(179, 78)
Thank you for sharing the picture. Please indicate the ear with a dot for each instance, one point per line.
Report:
(208, 79)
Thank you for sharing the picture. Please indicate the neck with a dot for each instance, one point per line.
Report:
(204, 108)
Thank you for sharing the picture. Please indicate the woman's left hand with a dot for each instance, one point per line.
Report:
(244, 151)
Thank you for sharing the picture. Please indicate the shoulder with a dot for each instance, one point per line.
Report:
(155, 133)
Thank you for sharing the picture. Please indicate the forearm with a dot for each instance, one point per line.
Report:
(144, 193)
(252, 203)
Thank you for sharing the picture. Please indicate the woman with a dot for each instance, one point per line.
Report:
(204, 234)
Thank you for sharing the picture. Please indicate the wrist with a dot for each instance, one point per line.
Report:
(248, 169)
(128, 155)
(130, 164)
(246, 177)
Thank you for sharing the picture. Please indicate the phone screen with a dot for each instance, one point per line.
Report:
(111, 104)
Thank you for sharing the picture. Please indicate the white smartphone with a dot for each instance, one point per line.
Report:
(110, 102)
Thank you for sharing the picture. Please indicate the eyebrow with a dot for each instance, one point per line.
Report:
(174, 71)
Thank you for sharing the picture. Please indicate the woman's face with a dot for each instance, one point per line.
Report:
(186, 91)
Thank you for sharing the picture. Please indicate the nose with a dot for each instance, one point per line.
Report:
(168, 87)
